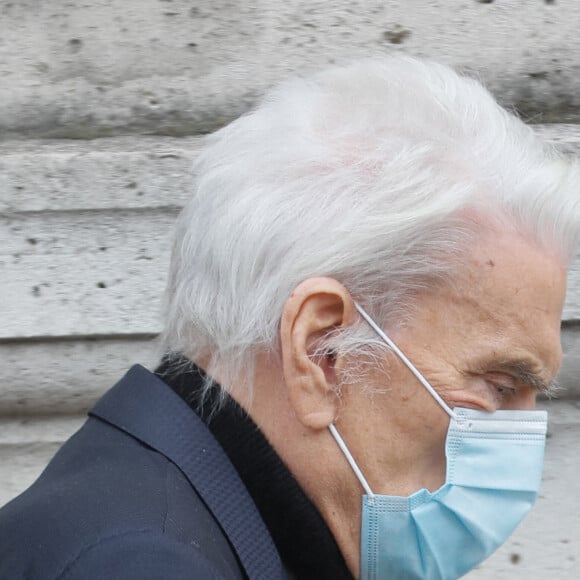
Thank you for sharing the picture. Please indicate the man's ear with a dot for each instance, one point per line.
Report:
(316, 307)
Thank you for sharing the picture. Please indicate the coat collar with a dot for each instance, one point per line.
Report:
(143, 406)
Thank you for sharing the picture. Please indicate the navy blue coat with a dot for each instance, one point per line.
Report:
(142, 491)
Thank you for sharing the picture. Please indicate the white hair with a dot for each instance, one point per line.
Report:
(361, 173)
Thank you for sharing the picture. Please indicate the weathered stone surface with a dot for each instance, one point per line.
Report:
(88, 69)
(569, 376)
(83, 274)
(66, 377)
(122, 172)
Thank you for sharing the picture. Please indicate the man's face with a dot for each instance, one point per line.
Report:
(491, 342)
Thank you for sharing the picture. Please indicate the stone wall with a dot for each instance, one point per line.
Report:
(102, 105)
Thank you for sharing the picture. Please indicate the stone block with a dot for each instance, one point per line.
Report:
(151, 66)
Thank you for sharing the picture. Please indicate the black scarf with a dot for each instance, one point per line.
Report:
(306, 545)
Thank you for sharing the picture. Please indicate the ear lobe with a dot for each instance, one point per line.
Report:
(315, 308)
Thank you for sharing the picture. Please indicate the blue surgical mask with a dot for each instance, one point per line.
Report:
(493, 475)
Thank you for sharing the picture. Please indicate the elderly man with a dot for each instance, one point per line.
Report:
(364, 301)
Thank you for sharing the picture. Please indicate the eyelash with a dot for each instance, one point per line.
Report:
(503, 390)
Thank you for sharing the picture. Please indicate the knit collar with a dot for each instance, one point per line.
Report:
(304, 541)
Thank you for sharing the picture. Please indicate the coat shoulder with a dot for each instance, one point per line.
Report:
(104, 498)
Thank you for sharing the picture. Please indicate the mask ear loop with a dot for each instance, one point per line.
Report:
(351, 461)
(406, 361)
(340, 441)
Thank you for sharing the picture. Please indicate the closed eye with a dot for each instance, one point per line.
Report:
(502, 389)
(508, 374)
